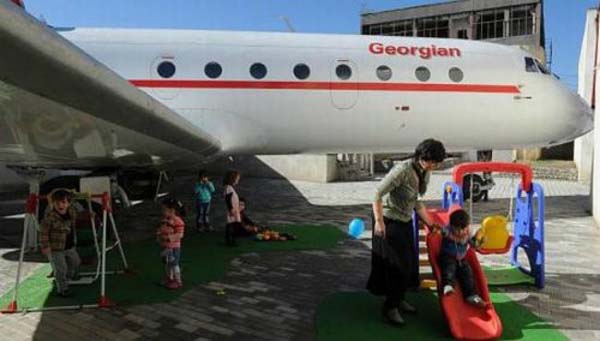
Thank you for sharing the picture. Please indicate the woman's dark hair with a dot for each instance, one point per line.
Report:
(175, 204)
(459, 219)
(60, 195)
(230, 176)
(430, 150)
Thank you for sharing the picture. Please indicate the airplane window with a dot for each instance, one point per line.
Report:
(343, 71)
(542, 68)
(301, 71)
(384, 73)
(213, 70)
(422, 73)
(530, 65)
(166, 69)
(456, 75)
(258, 70)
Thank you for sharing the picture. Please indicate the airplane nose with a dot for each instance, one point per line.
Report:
(583, 114)
(573, 116)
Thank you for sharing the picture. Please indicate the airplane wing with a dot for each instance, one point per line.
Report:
(37, 61)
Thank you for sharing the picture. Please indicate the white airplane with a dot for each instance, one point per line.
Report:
(134, 99)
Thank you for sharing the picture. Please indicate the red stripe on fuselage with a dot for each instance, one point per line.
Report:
(282, 85)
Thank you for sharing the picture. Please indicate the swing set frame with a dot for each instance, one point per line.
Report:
(31, 209)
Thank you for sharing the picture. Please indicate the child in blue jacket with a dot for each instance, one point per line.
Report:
(455, 243)
(203, 191)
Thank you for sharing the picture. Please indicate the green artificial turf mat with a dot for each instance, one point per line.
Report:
(357, 316)
(204, 258)
(506, 276)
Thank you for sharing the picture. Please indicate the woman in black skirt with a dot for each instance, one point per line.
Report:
(394, 261)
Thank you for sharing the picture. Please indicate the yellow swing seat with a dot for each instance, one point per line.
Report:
(497, 239)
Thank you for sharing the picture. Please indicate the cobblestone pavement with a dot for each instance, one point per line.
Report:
(275, 298)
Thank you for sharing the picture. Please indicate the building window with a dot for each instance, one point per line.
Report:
(521, 20)
(258, 70)
(301, 71)
(213, 70)
(422, 73)
(462, 34)
(490, 24)
(436, 27)
(456, 75)
(166, 69)
(384, 73)
(373, 29)
(402, 28)
(387, 29)
(343, 71)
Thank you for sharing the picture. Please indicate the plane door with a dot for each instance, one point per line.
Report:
(344, 84)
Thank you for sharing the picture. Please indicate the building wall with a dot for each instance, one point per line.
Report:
(584, 146)
(588, 88)
(316, 168)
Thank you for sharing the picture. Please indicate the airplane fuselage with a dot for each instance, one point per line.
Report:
(496, 104)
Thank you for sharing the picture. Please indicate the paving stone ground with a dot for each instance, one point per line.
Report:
(275, 297)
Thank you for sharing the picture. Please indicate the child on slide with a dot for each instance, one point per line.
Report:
(455, 243)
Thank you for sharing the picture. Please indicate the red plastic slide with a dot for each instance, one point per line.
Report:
(464, 320)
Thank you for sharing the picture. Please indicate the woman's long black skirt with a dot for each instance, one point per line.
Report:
(394, 262)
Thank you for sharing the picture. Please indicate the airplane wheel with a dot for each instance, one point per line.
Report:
(477, 184)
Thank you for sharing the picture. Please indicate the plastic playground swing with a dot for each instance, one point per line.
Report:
(527, 228)
(101, 251)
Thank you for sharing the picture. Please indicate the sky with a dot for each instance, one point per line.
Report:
(564, 18)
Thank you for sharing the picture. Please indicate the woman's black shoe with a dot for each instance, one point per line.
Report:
(393, 317)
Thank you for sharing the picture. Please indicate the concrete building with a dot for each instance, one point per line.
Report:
(584, 146)
(588, 147)
(511, 22)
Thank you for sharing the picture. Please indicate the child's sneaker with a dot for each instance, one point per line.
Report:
(476, 301)
(448, 289)
(173, 285)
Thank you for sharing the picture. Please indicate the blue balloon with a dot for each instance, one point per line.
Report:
(356, 228)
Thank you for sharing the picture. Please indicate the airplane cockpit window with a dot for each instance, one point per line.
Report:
(530, 65)
(456, 75)
(301, 71)
(166, 69)
(258, 70)
(213, 70)
(384, 73)
(343, 71)
(422, 73)
(542, 68)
